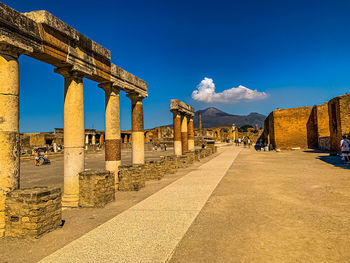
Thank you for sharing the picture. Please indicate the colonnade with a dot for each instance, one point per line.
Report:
(183, 127)
(74, 130)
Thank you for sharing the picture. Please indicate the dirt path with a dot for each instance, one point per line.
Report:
(274, 207)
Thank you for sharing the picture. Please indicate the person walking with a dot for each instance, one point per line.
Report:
(345, 148)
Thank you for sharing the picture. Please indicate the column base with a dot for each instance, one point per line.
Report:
(190, 144)
(178, 148)
(70, 201)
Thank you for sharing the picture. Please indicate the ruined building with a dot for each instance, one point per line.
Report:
(317, 127)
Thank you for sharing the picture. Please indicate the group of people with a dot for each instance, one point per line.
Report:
(245, 140)
(345, 148)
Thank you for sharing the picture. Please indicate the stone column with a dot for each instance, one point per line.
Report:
(200, 123)
(137, 134)
(93, 141)
(190, 134)
(177, 133)
(102, 139)
(74, 135)
(112, 130)
(86, 139)
(184, 137)
(9, 129)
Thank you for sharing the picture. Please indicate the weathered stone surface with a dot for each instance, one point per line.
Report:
(32, 212)
(339, 120)
(43, 36)
(177, 105)
(96, 188)
(131, 178)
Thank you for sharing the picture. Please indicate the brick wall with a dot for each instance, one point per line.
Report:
(32, 212)
(96, 188)
(339, 120)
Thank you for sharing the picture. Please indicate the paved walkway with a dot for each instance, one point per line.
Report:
(151, 230)
(284, 207)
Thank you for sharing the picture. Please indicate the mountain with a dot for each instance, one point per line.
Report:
(213, 117)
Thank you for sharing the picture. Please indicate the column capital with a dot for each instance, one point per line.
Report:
(176, 112)
(9, 50)
(135, 97)
(109, 87)
(68, 72)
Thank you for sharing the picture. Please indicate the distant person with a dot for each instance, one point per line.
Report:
(37, 158)
(249, 143)
(203, 146)
(245, 142)
(164, 146)
(239, 141)
(345, 148)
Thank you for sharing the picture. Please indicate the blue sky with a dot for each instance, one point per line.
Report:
(297, 52)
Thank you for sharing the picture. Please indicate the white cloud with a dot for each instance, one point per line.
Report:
(206, 92)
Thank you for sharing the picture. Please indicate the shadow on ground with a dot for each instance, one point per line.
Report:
(335, 160)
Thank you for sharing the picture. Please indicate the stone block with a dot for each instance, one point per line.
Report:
(32, 212)
(131, 178)
(96, 188)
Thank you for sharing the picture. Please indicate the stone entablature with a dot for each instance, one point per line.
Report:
(43, 36)
(177, 105)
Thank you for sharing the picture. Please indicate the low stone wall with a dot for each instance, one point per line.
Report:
(190, 157)
(131, 178)
(96, 188)
(32, 212)
(170, 163)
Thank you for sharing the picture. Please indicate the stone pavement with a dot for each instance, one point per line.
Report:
(151, 230)
(289, 206)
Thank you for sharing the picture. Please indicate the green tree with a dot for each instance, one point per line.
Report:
(245, 128)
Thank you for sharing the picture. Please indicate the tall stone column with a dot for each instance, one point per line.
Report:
(74, 135)
(184, 136)
(93, 140)
(86, 139)
(9, 129)
(177, 133)
(190, 134)
(200, 123)
(112, 130)
(137, 134)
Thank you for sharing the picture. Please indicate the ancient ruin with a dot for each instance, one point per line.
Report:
(317, 127)
(42, 36)
(183, 127)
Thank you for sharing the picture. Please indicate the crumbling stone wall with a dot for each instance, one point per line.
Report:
(32, 212)
(131, 178)
(96, 188)
(339, 120)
